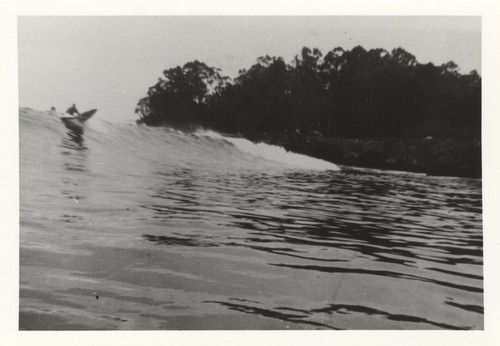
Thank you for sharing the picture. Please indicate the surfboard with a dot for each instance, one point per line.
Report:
(82, 117)
(77, 123)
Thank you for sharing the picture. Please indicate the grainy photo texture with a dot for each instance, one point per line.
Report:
(250, 173)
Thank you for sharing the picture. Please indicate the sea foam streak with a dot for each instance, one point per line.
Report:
(275, 153)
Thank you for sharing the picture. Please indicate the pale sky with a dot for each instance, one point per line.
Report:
(108, 63)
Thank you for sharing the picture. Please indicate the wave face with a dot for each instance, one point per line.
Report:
(130, 227)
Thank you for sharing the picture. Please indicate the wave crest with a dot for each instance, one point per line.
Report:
(274, 153)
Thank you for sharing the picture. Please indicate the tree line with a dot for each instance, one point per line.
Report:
(345, 93)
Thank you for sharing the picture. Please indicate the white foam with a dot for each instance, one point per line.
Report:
(275, 153)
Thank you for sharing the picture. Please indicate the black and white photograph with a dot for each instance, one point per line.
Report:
(238, 172)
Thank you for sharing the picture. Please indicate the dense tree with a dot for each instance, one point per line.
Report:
(344, 93)
(181, 97)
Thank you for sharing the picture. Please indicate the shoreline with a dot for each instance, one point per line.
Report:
(432, 156)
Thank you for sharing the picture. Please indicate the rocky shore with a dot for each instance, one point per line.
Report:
(433, 156)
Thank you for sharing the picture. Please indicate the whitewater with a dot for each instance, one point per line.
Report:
(132, 227)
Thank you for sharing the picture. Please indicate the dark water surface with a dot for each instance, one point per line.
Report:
(125, 227)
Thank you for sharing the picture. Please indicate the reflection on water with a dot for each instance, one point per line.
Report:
(146, 228)
(73, 150)
(416, 229)
(74, 155)
(301, 316)
(177, 240)
(75, 136)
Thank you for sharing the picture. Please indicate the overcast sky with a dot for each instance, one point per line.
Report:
(109, 62)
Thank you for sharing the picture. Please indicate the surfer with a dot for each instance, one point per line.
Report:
(73, 111)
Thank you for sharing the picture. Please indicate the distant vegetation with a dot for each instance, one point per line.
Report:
(345, 93)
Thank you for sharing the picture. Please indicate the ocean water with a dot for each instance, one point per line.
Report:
(128, 227)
